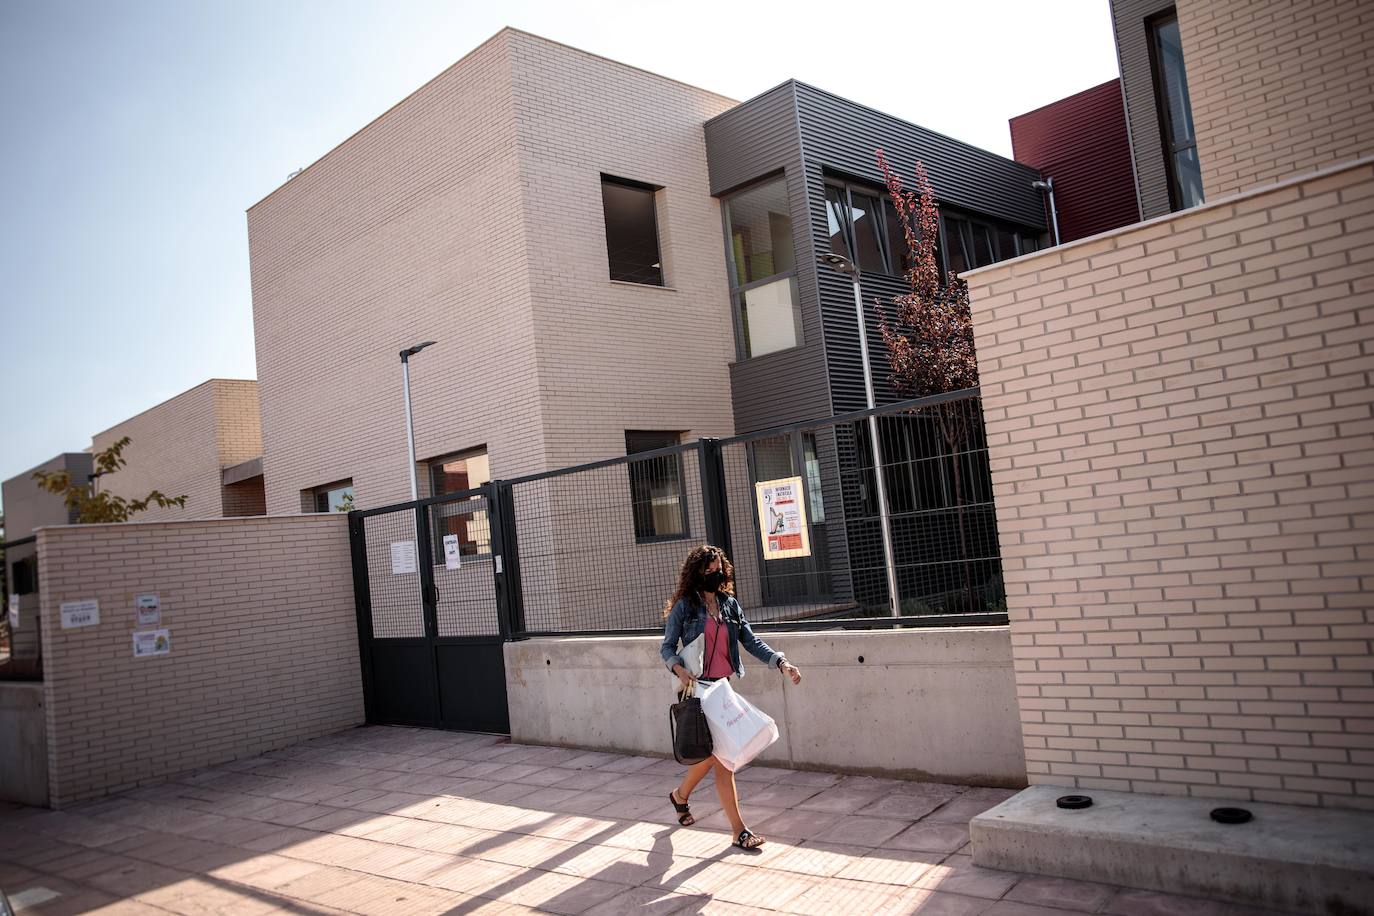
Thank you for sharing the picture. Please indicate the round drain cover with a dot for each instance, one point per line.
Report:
(1231, 815)
(1074, 802)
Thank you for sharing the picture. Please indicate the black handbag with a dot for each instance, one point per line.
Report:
(691, 734)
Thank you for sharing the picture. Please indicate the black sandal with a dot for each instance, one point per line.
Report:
(684, 811)
(748, 839)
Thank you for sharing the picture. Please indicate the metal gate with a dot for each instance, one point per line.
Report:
(432, 616)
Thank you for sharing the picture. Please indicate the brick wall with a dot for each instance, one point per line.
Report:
(1182, 437)
(263, 646)
(247, 497)
(180, 446)
(1277, 87)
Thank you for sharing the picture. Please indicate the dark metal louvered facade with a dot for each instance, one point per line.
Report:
(1081, 142)
(810, 135)
(1129, 20)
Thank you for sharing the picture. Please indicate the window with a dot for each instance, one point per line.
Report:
(631, 231)
(970, 242)
(24, 576)
(466, 518)
(656, 495)
(1175, 113)
(762, 269)
(334, 497)
(864, 227)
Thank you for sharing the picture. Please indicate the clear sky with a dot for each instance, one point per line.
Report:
(134, 135)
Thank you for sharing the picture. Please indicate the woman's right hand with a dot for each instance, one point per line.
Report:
(685, 677)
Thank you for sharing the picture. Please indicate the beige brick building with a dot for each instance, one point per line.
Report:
(1181, 419)
(472, 214)
(184, 445)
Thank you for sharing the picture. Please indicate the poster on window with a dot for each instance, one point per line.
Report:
(782, 518)
(453, 556)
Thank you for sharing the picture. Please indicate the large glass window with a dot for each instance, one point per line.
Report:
(631, 231)
(762, 268)
(1175, 113)
(971, 242)
(466, 518)
(656, 495)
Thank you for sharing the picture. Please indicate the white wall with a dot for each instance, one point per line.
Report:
(933, 704)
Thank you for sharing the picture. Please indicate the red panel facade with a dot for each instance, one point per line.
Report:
(1081, 142)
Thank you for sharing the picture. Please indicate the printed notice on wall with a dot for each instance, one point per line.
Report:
(152, 642)
(453, 556)
(79, 613)
(13, 611)
(402, 557)
(782, 518)
(149, 610)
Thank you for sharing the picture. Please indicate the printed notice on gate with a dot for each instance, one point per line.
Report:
(453, 556)
(782, 518)
(79, 613)
(402, 557)
(152, 642)
(149, 610)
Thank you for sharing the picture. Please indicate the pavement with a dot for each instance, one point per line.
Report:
(384, 820)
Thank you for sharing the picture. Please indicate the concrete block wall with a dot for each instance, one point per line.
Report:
(1277, 87)
(263, 646)
(929, 704)
(1181, 423)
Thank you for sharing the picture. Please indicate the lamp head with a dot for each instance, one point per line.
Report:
(840, 264)
(411, 351)
(1043, 185)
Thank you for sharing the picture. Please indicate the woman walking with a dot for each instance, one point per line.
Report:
(704, 603)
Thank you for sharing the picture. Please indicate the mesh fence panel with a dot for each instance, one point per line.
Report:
(392, 547)
(466, 596)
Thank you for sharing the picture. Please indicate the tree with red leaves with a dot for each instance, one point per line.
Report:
(929, 333)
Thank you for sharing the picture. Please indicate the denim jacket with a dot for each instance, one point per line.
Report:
(687, 621)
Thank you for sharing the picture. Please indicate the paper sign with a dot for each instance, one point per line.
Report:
(453, 558)
(149, 610)
(79, 613)
(152, 642)
(782, 518)
(402, 557)
(14, 611)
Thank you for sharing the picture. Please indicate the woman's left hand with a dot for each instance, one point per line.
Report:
(791, 671)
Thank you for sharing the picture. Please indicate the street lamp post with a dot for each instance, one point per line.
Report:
(410, 425)
(844, 266)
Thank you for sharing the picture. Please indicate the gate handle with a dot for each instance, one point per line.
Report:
(434, 592)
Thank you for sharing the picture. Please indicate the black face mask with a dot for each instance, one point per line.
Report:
(712, 581)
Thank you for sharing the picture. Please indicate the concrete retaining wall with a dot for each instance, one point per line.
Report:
(936, 704)
(23, 744)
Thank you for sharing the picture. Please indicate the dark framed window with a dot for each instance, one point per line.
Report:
(1175, 112)
(971, 242)
(24, 576)
(333, 497)
(864, 227)
(657, 499)
(762, 261)
(466, 518)
(631, 231)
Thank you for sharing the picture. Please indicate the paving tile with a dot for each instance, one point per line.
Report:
(797, 825)
(577, 828)
(1015, 908)
(759, 887)
(859, 830)
(891, 866)
(424, 868)
(918, 901)
(838, 800)
(629, 867)
(923, 837)
(960, 810)
(821, 860)
(808, 778)
(761, 774)
(958, 875)
(644, 901)
(475, 876)
(753, 814)
(905, 807)
(627, 764)
(1133, 902)
(1064, 893)
(835, 896)
(555, 893)
(587, 779)
(779, 796)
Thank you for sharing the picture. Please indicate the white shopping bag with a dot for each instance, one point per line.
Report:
(740, 731)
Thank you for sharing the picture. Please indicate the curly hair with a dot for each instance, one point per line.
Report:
(694, 568)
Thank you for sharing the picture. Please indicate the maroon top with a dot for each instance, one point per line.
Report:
(716, 663)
